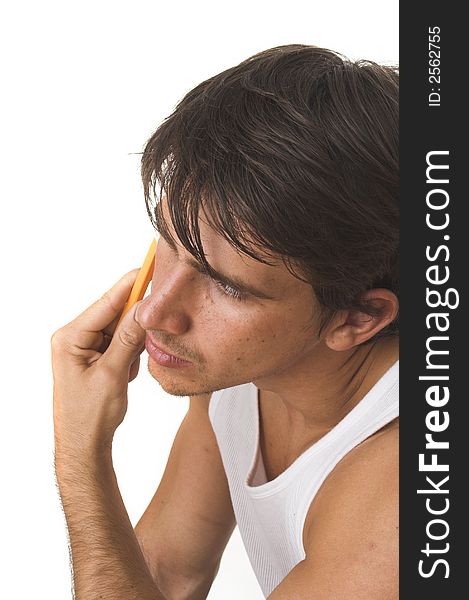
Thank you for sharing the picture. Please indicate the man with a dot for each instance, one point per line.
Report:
(273, 306)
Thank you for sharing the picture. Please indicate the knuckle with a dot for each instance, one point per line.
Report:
(128, 338)
(107, 299)
(107, 375)
(58, 338)
(64, 340)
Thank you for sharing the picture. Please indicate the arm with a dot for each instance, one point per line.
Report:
(351, 543)
(106, 557)
(189, 521)
(92, 364)
(179, 540)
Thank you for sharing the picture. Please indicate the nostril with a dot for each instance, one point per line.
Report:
(143, 313)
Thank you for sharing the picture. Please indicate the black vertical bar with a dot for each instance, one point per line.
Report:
(434, 271)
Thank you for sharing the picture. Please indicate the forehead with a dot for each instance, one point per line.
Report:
(222, 255)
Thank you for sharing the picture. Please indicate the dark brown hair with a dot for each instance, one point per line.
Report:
(294, 152)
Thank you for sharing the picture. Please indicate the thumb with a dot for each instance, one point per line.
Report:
(127, 343)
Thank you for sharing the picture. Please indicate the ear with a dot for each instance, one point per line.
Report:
(354, 327)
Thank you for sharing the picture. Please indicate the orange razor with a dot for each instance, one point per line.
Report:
(143, 279)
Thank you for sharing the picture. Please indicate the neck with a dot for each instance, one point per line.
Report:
(312, 396)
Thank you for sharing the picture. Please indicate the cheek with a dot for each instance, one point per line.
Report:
(249, 333)
(224, 319)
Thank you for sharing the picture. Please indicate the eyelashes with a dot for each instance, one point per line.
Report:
(228, 290)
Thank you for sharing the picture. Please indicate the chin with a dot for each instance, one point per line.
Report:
(178, 382)
(170, 383)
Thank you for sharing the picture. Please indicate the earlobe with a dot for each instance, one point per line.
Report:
(340, 338)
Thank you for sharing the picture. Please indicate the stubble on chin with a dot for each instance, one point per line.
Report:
(177, 388)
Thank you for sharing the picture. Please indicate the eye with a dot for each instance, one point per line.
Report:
(228, 290)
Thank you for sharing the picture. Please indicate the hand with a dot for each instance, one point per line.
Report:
(92, 364)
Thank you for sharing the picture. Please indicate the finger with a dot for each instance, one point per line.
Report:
(127, 343)
(100, 315)
(134, 369)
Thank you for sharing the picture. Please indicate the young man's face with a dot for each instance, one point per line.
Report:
(229, 341)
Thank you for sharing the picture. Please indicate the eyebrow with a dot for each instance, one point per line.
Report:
(232, 281)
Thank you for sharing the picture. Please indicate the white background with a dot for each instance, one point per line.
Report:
(84, 84)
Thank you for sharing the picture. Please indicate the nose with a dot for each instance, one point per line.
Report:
(166, 307)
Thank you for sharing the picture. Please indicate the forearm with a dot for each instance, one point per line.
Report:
(106, 557)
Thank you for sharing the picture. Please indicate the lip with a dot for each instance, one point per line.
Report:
(162, 357)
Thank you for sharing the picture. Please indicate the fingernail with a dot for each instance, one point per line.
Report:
(138, 304)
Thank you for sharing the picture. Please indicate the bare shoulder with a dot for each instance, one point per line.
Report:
(374, 461)
(351, 533)
(353, 522)
(366, 479)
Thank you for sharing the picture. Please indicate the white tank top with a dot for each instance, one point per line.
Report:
(271, 514)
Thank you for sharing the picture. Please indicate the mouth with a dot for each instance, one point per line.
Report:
(164, 357)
